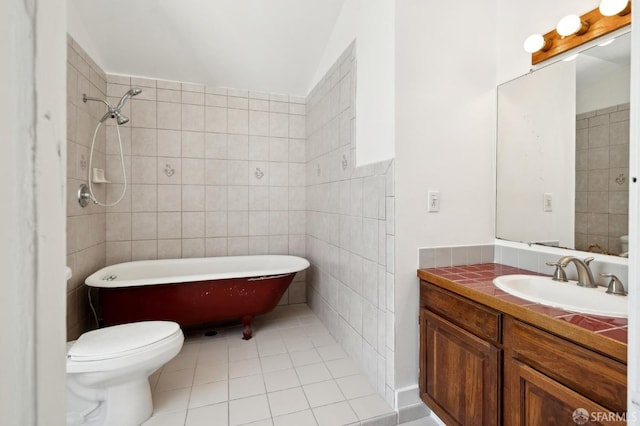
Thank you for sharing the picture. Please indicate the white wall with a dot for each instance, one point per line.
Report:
(77, 27)
(445, 140)
(17, 387)
(445, 129)
(32, 156)
(268, 46)
(50, 210)
(371, 24)
(536, 155)
(612, 90)
(517, 19)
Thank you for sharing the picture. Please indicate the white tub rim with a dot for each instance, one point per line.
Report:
(263, 266)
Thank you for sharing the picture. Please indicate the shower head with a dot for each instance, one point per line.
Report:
(115, 112)
(130, 93)
(121, 119)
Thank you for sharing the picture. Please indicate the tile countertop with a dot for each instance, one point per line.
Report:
(603, 334)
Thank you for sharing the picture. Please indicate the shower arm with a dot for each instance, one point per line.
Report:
(86, 98)
(111, 111)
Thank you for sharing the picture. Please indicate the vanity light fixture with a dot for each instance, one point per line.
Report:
(536, 43)
(570, 25)
(614, 7)
(573, 31)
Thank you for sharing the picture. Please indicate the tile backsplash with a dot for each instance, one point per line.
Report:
(211, 172)
(535, 258)
(521, 255)
(435, 257)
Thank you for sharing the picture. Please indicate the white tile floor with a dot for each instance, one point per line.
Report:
(291, 373)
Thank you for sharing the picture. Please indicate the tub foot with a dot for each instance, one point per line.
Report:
(247, 333)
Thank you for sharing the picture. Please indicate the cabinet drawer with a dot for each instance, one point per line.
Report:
(591, 374)
(477, 319)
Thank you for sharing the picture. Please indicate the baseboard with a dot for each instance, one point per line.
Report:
(409, 395)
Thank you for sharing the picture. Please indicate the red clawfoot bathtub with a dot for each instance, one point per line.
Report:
(195, 291)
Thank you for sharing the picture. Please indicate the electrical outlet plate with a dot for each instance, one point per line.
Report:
(433, 200)
(547, 205)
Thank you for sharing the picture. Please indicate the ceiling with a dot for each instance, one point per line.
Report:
(262, 45)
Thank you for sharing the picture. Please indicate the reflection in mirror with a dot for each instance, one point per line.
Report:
(602, 147)
(563, 152)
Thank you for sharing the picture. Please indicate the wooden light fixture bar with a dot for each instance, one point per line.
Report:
(599, 25)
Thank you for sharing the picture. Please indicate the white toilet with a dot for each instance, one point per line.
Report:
(624, 244)
(108, 372)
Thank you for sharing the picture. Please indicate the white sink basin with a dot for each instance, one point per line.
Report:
(568, 296)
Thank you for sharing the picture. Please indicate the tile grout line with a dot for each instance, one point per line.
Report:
(304, 329)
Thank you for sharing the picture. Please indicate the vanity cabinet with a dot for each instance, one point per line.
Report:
(482, 366)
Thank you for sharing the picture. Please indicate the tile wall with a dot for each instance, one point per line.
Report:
(212, 172)
(85, 227)
(350, 231)
(438, 257)
(602, 178)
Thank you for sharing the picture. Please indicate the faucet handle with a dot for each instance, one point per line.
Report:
(558, 274)
(588, 260)
(615, 285)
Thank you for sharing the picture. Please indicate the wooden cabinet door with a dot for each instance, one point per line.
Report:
(596, 377)
(533, 399)
(459, 373)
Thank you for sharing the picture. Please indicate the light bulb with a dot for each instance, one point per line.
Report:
(571, 24)
(535, 43)
(613, 7)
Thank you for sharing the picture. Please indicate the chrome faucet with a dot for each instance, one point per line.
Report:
(585, 276)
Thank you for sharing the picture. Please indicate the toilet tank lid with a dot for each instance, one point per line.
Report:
(119, 340)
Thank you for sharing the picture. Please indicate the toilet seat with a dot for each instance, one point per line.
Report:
(120, 340)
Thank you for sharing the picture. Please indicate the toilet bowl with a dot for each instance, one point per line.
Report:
(624, 244)
(108, 372)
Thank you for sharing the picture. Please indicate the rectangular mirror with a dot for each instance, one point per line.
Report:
(563, 152)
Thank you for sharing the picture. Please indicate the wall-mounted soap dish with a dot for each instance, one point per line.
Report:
(98, 176)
